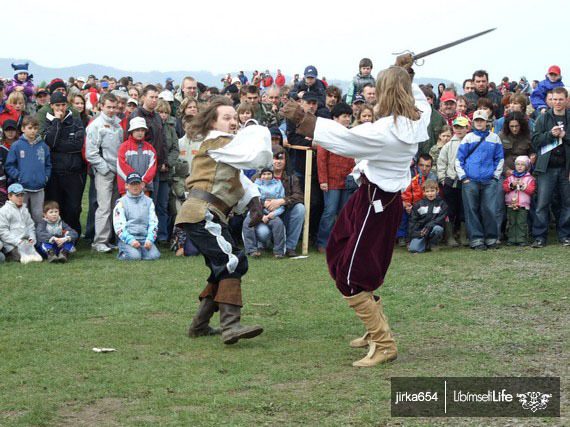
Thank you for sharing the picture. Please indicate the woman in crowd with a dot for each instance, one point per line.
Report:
(188, 109)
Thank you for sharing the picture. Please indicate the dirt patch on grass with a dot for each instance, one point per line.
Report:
(98, 319)
(11, 414)
(99, 412)
(157, 315)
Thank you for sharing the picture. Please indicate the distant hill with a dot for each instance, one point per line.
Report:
(42, 73)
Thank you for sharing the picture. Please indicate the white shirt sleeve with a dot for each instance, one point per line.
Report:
(249, 149)
(251, 191)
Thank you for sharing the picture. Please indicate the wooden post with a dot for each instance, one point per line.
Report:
(308, 179)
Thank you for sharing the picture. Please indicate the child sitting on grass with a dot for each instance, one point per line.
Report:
(269, 188)
(427, 219)
(136, 223)
(518, 188)
(17, 231)
(56, 239)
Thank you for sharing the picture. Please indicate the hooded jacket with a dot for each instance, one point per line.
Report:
(155, 133)
(104, 137)
(136, 156)
(519, 198)
(65, 139)
(29, 164)
(272, 189)
(16, 224)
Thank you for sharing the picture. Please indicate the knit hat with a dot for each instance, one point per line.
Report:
(20, 68)
(137, 123)
(56, 84)
(524, 159)
(266, 170)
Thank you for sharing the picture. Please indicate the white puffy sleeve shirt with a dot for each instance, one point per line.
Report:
(384, 149)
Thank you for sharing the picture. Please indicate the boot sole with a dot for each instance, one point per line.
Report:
(197, 334)
(245, 335)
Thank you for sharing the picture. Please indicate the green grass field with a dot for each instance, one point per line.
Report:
(453, 313)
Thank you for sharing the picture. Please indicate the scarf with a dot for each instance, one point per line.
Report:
(482, 133)
(519, 174)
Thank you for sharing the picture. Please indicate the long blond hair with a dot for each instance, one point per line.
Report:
(394, 94)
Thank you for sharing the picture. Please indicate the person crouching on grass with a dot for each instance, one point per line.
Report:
(427, 220)
(135, 223)
(56, 239)
(518, 188)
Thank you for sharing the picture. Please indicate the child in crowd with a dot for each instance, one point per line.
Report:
(427, 219)
(136, 155)
(9, 136)
(245, 112)
(445, 134)
(364, 115)
(136, 223)
(538, 97)
(363, 78)
(17, 231)
(18, 101)
(269, 188)
(518, 188)
(56, 239)
(22, 81)
(29, 164)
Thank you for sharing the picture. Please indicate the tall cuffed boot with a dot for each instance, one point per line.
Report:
(200, 326)
(230, 303)
(382, 345)
(451, 242)
(364, 341)
(463, 238)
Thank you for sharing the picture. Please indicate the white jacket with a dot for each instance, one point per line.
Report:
(16, 225)
(446, 160)
(384, 149)
(104, 136)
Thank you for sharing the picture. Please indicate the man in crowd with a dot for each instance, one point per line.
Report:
(310, 83)
(332, 96)
(551, 140)
(104, 136)
(188, 89)
(468, 86)
(482, 90)
(369, 93)
(263, 112)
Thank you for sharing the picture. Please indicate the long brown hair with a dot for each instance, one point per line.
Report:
(394, 94)
(202, 122)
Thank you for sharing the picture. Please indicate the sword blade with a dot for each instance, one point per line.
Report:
(448, 45)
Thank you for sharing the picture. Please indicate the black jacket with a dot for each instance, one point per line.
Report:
(541, 136)
(426, 214)
(318, 88)
(65, 138)
(494, 97)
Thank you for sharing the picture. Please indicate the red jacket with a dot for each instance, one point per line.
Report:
(8, 113)
(333, 169)
(280, 80)
(268, 80)
(414, 192)
(129, 160)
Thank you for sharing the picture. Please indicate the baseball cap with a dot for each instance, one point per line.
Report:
(41, 91)
(137, 123)
(16, 189)
(80, 79)
(310, 96)
(133, 177)
(169, 79)
(358, 98)
(461, 121)
(132, 101)
(448, 96)
(104, 84)
(58, 98)
(554, 69)
(10, 124)
(480, 114)
(311, 71)
(166, 95)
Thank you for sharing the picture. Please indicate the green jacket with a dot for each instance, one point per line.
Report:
(436, 122)
(265, 116)
(172, 150)
(541, 136)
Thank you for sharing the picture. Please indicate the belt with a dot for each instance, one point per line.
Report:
(218, 203)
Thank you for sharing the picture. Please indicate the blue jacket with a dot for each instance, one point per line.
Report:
(29, 164)
(134, 218)
(271, 190)
(485, 162)
(538, 96)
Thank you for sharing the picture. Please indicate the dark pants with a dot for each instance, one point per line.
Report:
(361, 243)
(548, 183)
(454, 203)
(67, 191)
(214, 241)
(517, 225)
(317, 202)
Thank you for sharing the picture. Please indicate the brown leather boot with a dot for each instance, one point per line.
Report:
(200, 324)
(382, 345)
(232, 330)
(364, 341)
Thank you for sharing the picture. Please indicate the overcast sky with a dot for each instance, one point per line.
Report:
(223, 36)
